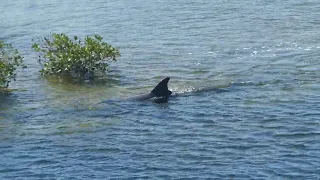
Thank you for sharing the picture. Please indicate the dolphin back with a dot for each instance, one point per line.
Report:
(159, 94)
(161, 90)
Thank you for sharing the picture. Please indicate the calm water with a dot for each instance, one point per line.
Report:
(265, 124)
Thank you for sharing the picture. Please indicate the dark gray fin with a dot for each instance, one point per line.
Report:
(162, 88)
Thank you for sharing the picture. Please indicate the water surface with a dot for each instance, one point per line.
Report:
(264, 124)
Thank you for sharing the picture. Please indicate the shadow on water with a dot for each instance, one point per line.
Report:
(101, 116)
(7, 99)
(69, 83)
(63, 91)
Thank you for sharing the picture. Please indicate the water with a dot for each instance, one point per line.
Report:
(262, 124)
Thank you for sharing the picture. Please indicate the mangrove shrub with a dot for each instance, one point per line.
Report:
(10, 59)
(62, 55)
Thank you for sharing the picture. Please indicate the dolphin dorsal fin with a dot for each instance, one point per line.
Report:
(162, 88)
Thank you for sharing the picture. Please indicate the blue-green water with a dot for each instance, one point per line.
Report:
(265, 124)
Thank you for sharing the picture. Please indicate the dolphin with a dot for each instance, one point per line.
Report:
(159, 94)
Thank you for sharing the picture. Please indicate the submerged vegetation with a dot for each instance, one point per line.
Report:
(62, 55)
(10, 59)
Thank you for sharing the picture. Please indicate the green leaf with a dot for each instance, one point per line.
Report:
(60, 54)
(10, 59)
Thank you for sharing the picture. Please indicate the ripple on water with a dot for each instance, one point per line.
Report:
(259, 121)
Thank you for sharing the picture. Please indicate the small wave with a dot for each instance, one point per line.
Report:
(298, 135)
